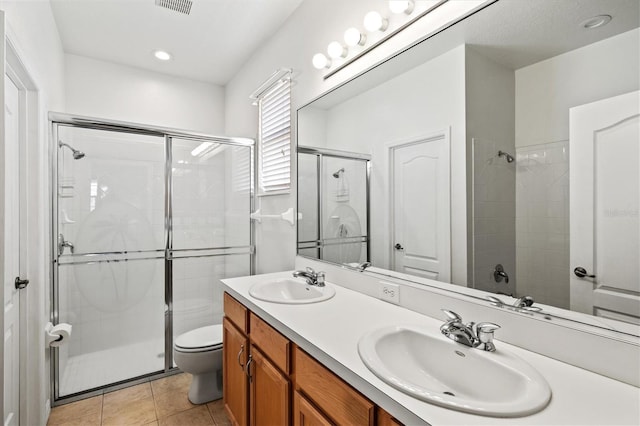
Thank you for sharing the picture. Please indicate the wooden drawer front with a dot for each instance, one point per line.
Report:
(271, 343)
(385, 419)
(336, 398)
(236, 312)
(305, 414)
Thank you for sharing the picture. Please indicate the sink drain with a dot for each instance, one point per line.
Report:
(460, 354)
(449, 393)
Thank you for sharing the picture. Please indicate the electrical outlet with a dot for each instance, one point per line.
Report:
(389, 292)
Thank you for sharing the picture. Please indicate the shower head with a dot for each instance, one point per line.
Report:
(337, 174)
(76, 154)
(506, 155)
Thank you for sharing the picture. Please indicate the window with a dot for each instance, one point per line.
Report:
(274, 138)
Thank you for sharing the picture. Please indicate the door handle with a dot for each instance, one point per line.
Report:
(248, 369)
(398, 246)
(20, 284)
(582, 273)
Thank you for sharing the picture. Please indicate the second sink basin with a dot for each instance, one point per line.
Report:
(290, 291)
(442, 372)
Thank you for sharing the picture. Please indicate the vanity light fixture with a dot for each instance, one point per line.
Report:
(596, 22)
(401, 6)
(336, 50)
(162, 55)
(353, 37)
(373, 21)
(320, 61)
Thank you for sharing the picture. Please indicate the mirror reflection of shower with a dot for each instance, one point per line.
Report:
(77, 155)
(337, 174)
(506, 155)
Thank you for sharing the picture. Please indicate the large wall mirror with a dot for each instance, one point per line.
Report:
(503, 158)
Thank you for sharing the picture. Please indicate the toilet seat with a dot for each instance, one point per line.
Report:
(201, 339)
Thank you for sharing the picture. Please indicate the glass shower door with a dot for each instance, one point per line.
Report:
(210, 227)
(109, 219)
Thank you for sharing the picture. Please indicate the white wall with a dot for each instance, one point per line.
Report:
(546, 90)
(107, 90)
(490, 120)
(32, 31)
(544, 93)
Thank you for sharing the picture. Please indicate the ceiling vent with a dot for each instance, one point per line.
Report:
(182, 6)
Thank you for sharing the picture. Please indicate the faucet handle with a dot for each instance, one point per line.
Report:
(484, 331)
(320, 278)
(452, 316)
(487, 327)
(310, 270)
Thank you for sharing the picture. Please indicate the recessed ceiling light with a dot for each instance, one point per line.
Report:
(596, 22)
(162, 55)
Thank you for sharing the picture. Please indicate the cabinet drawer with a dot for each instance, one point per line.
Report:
(236, 312)
(271, 343)
(330, 393)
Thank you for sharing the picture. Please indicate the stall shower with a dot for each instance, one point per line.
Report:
(333, 199)
(145, 222)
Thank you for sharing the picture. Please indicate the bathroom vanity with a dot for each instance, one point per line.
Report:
(299, 363)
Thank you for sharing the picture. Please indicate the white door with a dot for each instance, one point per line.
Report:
(605, 194)
(11, 256)
(421, 231)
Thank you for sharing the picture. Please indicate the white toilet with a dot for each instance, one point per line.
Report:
(199, 352)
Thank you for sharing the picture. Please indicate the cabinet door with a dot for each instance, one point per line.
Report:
(235, 383)
(305, 414)
(269, 392)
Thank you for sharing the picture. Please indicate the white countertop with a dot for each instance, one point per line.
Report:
(330, 331)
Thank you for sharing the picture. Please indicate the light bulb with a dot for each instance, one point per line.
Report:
(336, 50)
(162, 55)
(320, 61)
(373, 21)
(353, 37)
(401, 6)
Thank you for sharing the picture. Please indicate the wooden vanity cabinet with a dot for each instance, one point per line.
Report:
(267, 380)
(256, 386)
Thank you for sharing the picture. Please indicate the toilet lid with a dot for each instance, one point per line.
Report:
(200, 337)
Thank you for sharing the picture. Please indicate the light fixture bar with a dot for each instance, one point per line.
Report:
(478, 6)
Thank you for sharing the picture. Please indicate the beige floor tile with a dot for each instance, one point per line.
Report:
(217, 411)
(138, 412)
(152, 423)
(176, 383)
(198, 416)
(93, 419)
(126, 395)
(87, 408)
(169, 403)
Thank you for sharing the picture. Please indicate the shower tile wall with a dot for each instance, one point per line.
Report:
(542, 222)
(494, 216)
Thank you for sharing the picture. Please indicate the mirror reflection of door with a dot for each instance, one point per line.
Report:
(605, 199)
(421, 233)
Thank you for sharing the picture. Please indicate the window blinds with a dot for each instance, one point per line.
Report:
(275, 138)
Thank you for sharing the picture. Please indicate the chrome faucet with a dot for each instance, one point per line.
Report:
(471, 334)
(364, 265)
(312, 277)
(62, 244)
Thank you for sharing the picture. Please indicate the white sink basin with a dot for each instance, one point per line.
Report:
(440, 371)
(291, 291)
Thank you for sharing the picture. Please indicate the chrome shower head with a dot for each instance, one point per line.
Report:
(76, 154)
(506, 155)
(337, 174)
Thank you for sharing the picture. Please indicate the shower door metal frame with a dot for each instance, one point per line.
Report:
(321, 242)
(167, 253)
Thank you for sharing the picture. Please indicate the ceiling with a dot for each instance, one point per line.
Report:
(210, 44)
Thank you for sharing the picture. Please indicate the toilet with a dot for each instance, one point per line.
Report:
(199, 353)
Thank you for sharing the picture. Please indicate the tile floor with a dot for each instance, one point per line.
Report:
(161, 402)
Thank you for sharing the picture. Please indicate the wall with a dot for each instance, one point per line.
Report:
(107, 90)
(544, 93)
(32, 31)
(490, 121)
